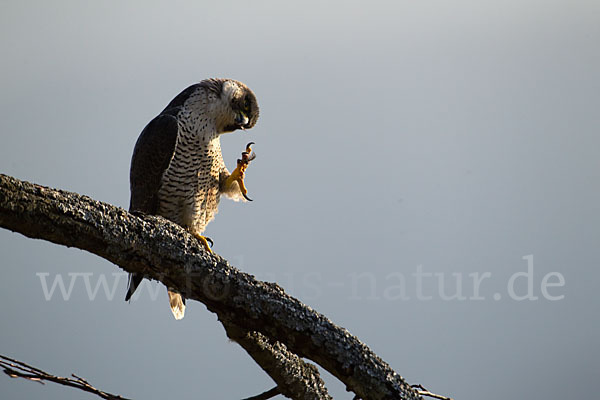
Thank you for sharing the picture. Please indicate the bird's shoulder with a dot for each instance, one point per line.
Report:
(160, 132)
(151, 157)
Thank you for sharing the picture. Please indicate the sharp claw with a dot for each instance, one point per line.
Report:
(209, 240)
(247, 157)
(247, 198)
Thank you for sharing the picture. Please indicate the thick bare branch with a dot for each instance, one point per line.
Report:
(180, 262)
(281, 364)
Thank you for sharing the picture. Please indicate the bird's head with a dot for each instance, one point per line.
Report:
(237, 107)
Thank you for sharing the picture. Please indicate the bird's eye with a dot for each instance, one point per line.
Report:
(246, 104)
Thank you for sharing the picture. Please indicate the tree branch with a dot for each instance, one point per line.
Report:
(281, 364)
(18, 369)
(265, 395)
(424, 392)
(180, 262)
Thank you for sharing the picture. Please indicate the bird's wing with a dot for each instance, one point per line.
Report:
(151, 157)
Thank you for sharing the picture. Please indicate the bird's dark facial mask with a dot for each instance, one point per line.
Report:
(241, 122)
(246, 111)
(241, 119)
(243, 105)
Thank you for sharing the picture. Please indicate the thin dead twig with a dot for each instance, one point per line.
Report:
(18, 369)
(265, 395)
(424, 392)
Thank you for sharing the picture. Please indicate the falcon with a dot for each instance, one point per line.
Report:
(177, 169)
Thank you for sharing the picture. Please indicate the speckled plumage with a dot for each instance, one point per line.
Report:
(177, 169)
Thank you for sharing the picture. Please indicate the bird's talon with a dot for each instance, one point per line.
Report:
(205, 241)
(248, 155)
(246, 197)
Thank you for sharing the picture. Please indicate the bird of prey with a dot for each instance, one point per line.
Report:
(177, 169)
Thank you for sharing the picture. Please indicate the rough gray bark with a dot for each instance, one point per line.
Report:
(258, 312)
(294, 377)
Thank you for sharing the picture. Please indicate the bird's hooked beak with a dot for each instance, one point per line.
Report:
(241, 119)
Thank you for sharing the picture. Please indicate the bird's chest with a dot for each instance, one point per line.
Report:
(189, 192)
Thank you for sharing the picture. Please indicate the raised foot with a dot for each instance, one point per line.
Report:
(239, 172)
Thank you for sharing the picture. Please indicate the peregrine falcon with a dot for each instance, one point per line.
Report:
(177, 169)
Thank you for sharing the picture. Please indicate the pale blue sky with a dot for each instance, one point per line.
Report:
(451, 138)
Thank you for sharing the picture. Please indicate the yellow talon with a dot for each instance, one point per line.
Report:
(204, 242)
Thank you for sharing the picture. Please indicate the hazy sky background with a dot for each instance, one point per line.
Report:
(451, 138)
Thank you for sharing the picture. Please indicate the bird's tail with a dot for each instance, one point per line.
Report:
(132, 283)
(177, 303)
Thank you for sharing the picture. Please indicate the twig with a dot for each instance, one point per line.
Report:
(424, 392)
(265, 395)
(18, 369)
